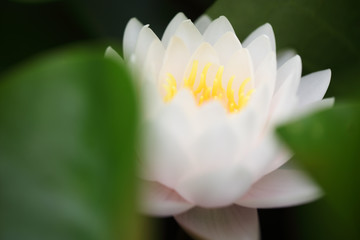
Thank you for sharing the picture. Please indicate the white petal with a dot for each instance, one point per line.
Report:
(131, 34)
(164, 154)
(145, 39)
(216, 187)
(202, 23)
(189, 34)
(259, 49)
(313, 87)
(260, 155)
(216, 29)
(175, 60)
(153, 61)
(266, 71)
(204, 54)
(158, 200)
(265, 29)
(239, 65)
(171, 28)
(292, 66)
(260, 100)
(284, 55)
(231, 223)
(112, 54)
(226, 46)
(285, 99)
(210, 115)
(281, 188)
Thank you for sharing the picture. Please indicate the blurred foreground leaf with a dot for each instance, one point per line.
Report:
(327, 145)
(67, 124)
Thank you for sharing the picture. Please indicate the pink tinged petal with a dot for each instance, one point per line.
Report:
(153, 61)
(266, 30)
(172, 27)
(259, 49)
(159, 200)
(216, 187)
(110, 53)
(202, 23)
(281, 188)
(313, 87)
(189, 34)
(145, 39)
(230, 223)
(175, 60)
(284, 55)
(131, 34)
(226, 46)
(216, 29)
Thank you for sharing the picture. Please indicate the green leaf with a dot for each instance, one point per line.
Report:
(67, 133)
(327, 145)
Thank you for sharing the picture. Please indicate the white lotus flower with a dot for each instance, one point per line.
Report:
(209, 155)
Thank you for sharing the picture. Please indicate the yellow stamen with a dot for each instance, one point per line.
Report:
(205, 93)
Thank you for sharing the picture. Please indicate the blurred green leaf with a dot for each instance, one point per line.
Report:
(67, 133)
(324, 33)
(327, 145)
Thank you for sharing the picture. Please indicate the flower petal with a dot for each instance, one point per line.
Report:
(112, 54)
(175, 60)
(292, 66)
(189, 34)
(226, 46)
(145, 39)
(259, 49)
(131, 34)
(260, 155)
(165, 145)
(239, 66)
(285, 100)
(230, 223)
(204, 54)
(281, 188)
(218, 186)
(313, 87)
(202, 23)
(216, 29)
(172, 27)
(158, 200)
(265, 29)
(153, 61)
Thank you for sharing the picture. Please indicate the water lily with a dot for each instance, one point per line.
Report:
(209, 155)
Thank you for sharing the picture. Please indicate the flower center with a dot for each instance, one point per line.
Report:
(203, 93)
